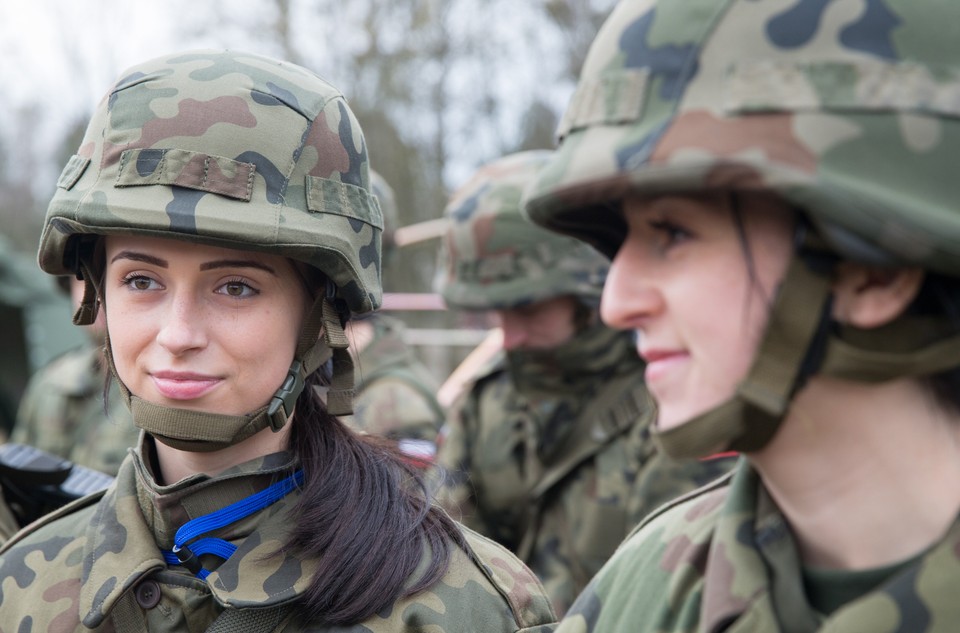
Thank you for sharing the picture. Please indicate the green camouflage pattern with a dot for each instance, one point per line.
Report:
(229, 149)
(62, 412)
(701, 565)
(560, 466)
(81, 568)
(492, 258)
(395, 393)
(848, 109)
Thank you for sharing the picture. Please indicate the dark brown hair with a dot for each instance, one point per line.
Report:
(365, 515)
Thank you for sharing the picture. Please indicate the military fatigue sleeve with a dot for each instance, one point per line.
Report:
(486, 589)
(37, 409)
(391, 407)
(454, 465)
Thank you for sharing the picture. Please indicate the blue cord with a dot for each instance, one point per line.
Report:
(188, 556)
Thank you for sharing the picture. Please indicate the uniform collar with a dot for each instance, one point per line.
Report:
(137, 517)
(752, 576)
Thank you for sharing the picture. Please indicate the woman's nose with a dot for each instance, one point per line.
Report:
(629, 296)
(183, 325)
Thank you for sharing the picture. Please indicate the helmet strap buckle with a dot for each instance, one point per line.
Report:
(286, 396)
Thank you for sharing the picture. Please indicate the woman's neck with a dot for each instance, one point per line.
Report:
(866, 475)
(176, 465)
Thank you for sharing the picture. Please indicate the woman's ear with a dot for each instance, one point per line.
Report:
(870, 296)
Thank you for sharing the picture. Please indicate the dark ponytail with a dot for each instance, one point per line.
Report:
(364, 515)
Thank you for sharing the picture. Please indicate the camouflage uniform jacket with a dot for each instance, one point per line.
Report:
(98, 566)
(62, 412)
(395, 394)
(703, 564)
(562, 478)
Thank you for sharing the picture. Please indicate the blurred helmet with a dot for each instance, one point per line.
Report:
(493, 258)
(239, 151)
(228, 149)
(388, 208)
(849, 110)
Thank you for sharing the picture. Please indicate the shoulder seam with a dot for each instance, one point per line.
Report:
(46, 519)
(716, 484)
(515, 608)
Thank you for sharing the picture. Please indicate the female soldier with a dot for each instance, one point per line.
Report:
(775, 184)
(219, 211)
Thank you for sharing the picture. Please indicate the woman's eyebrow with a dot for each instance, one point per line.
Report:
(237, 263)
(140, 257)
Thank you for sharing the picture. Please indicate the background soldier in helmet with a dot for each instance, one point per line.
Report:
(776, 184)
(219, 211)
(35, 319)
(395, 392)
(63, 410)
(547, 451)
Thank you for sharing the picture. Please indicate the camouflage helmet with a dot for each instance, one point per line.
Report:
(388, 208)
(849, 110)
(491, 257)
(228, 149)
(239, 151)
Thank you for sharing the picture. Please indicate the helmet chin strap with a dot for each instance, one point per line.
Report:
(86, 313)
(199, 431)
(801, 340)
(749, 419)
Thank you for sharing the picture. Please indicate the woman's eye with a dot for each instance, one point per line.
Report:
(237, 288)
(670, 232)
(139, 282)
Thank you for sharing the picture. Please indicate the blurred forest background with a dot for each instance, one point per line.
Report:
(439, 86)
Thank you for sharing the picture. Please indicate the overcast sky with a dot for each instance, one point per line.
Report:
(60, 56)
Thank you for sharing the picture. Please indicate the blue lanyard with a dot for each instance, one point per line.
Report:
(189, 557)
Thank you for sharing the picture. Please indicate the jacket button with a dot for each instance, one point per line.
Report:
(148, 594)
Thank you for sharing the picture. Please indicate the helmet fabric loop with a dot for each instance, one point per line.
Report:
(340, 395)
(86, 313)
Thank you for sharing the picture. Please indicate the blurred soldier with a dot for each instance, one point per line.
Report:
(395, 392)
(63, 412)
(776, 186)
(35, 320)
(547, 450)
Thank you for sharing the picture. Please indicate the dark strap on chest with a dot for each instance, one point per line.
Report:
(128, 617)
(605, 419)
(250, 620)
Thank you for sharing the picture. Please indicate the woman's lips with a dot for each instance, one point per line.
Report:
(660, 363)
(183, 386)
